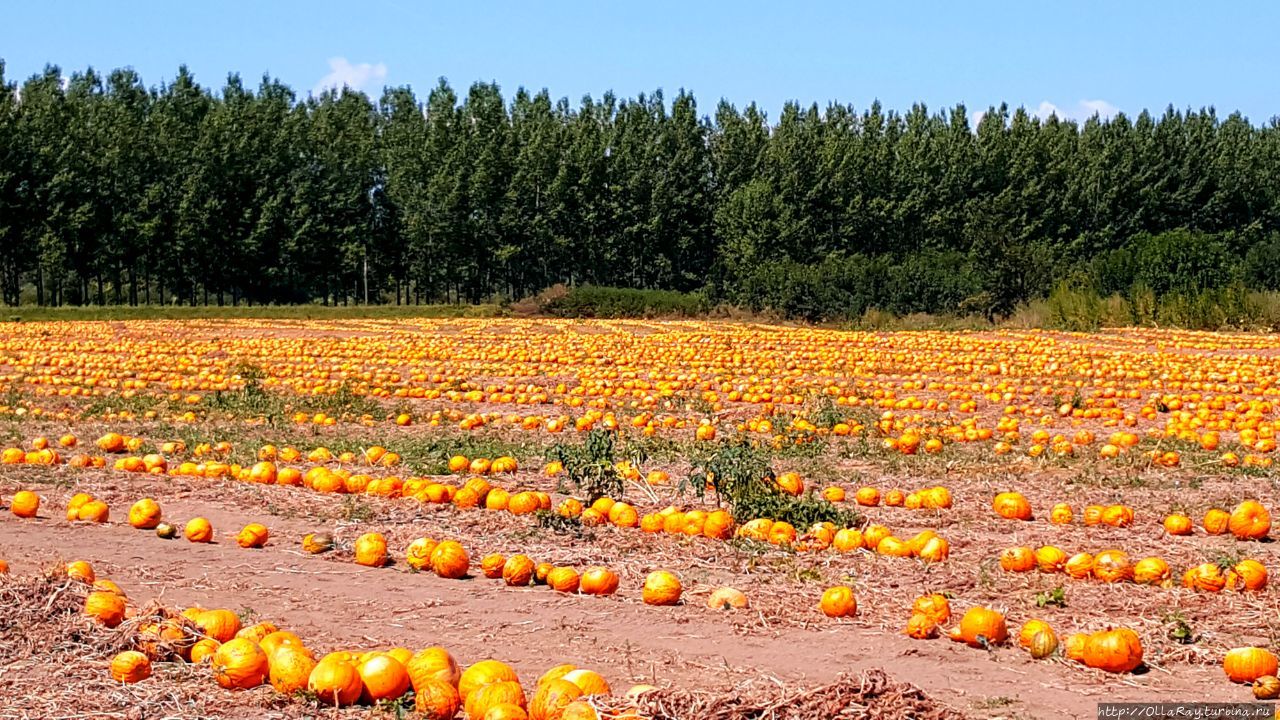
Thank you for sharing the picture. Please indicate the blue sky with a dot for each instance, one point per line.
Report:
(1076, 56)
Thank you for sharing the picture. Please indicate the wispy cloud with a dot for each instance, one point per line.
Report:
(362, 76)
(1082, 110)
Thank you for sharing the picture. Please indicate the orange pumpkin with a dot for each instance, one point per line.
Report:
(371, 550)
(1216, 521)
(838, 602)
(130, 666)
(1249, 521)
(105, 607)
(1248, 574)
(289, 668)
(1150, 571)
(1079, 566)
(1012, 506)
(1112, 566)
(921, 627)
(1177, 524)
(936, 607)
(145, 514)
(599, 581)
(1050, 559)
(198, 530)
(436, 699)
(1117, 651)
(552, 697)
(25, 504)
(1061, 514)
(484, 673)
(450, 560)
(1246, 664)
(384, 678)
(518, 570)
(727, 598)
(661, 588)
(478, 702)
(221, 625)
(1018, 559)
(981, 627)
(239, 664)
(563, 579)
(433, 663)
(254, 535)
(335, 682)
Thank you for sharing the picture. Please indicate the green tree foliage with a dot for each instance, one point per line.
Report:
(113, 192)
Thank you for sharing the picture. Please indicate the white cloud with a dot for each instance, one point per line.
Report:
(1081, 111)
(975, 118)
(1100, 107)
(364, 76)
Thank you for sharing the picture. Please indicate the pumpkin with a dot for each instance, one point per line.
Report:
(1150, 571)
(518, 570)
(1247, 574)
(1216, 521)
(563, 579)
(1061, 514)
(1029, 630)
(727, 598)
(1177, 524)
(895, 498)
(599, 581)
(1112, 566)
(1266, 687)
(1073, 648)
(130, 666)
(581, 710)
(221, 625)
(484, 673)
(316, 543)
(1117, 516)
(661, 588)
(145, 514)
(24, 504)
(847, 540)
(198, 530)
(552, 697)
(289, 668)
(278, 639)
(491, 565)
(81, 570)
(1117, 651)
(94, 511)
(936, 550)
(371, 550)
(1043, 644)
(433, 663)
(556, 673)
(1093, 515)
(1205, 576)
(165, 531)
(1246, 664)
(107, 608)
(893, 547)
(4, 567)
(935, 607)
(981, 627)
(384, 678)
(838, 601)
(1012, 506)
(104, 585)
(506, 711)
(1018, 559)
(257, 632)
(867, 496)
(1050, 559)
(873, 534)
(477, 703)
(76, 502)
(240, 664)
(1249, 521)
(254, 535)
(336, 682)
(450, 560)
(1079, 566)
(589, 682)
(436, 699)
(418, 554)
(203, 649)
(921, 627)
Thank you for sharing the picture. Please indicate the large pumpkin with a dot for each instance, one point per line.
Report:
(563, 579)
(1246, 664)
(599, 581)
(221, 625)
(981, 627)
(145, 514)
(130, 666)
(371, 550)
(518, 570)
(433, 663)
(240, 664)
(484, 673)
(450, 560)
(1117, 651)
(384, 678)
(661, 588)
(436, 699)
(1018, 559)
(289, 668)
(335, 682)
(105, 607)
(1012, 506)
(1249, 521)
(25, 504)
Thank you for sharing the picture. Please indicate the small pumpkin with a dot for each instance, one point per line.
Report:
(727, 598)
(145, 514)
(25, 504)
(1150, 571)
(221, 625)
(82, 571)
(130, 666)
(921, 627)
(1050, 559)
(1029, 630)
(1178, 524)
(450, 560)
(518, 570)
(1012, 506)
(198, 530)
(1079, 566)
(316, 543)
(936, 607)
(1249, 521)
(661, 588)
(435, 699)
(1248, 574)
(371, 550)
(1043, 644)
(1266, 687)
(1018, 559)
(838, 601)
(1061, 514)
(1073, 648)
(599, 581)
(384, 678)
(491, 565)
(203, 649)
(165, 531)
(1247, 664)
(1112, 566)
(254, 535)
(589, 681)
(335, 682)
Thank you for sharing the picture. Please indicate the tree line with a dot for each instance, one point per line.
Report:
(113, 192)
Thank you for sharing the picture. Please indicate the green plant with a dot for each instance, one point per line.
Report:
(560, 524)
(589, 470)
(1179, 629)
(1056, 597)
(356, 509)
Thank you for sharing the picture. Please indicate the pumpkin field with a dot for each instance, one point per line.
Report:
(497, 519)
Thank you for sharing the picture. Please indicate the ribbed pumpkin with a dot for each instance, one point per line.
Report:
(936, 550)
(563, 579)
(335, 682)
(873, 534)
(1079, 566)
(1117, 516)
(145, 514)
(981, 627)
(1266, 687)
(1043, 644)
(727, 598)
(221, 625)
(1073, 647)
(599, 581)
(484, 673)
(1150, 571)
(1061, 514)
(253, 535)
(198, 530)
(581, 710)
(1247, 574)
(1093, 515)
(847, 540)
(936, 607)
(450, 560)
(1029, 630)
(1012, 506)
(418, 554)
(1177, 524)
(1018, 559)
(661, 588)
(433, 663)
(518, 570)
(1249, 521)
(25, 504)
(893, 547)
(1112, 566)
(257, 632)
(82, 571)
(239, 664)
(838, 601)
(1246, 664)
(552, 698)
(107, 608)
(1216, 521)
(1205, 576)
(1117, 651)
(491, 565)
(921, 627)
(384, 678)
(1050, 559)
(506, 711)
(316, 543)
(278, 639)
(289, 668)
(478, 702)
(556, 673)
(589, 682)
(435, 699)
(203, 649)
(371, 550)
(130, 666)
(94, 511)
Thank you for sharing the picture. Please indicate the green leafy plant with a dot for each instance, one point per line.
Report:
(1057, 597)
(589, 470)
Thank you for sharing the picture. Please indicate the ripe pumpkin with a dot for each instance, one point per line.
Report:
(478, 702)
(436, 699)
(867, 496)
(1216, 521)
(107, 608)
(1177, 524)
(1079, 566)
(1029, 630)
(25, 504)
(661, 588)
(581, 710)
(76, 502)
(145, 514)
(1073, 648)
(418, 554)
(384, 678)
(921, 627)
(491, 565)
(1012, 506)
(198, 530)
(936, 607)
(336, 682)
(589, 682)
(563, 579)
(279, 639)
(257, 632)
(518, 570)
(239, 664)
(981, 627)
(599, 581)
(552, 697)
(1205, 576)
(1112, 566)
(1150, 571)
(1247, 574)
(289, 668)
(81, 570)
(1247, 664)
(254, 535)
(1050, 559)
(838, 601)
(432, 664)
(1018, 559)
(450, 560)
(1266, 687)
(506, 711)
(936, 550)
(847, 540)
(1117, 651)
(94, 511)
(484, 673)
(1249, 521)
(221, 625)
(1061, 514)
(371, 550)
(727, 598)
(130, 666)
(1117, 516)
(1093, 515)
(204, 649)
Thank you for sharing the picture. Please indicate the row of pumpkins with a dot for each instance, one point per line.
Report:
(1249, 520)
(1115, 566)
